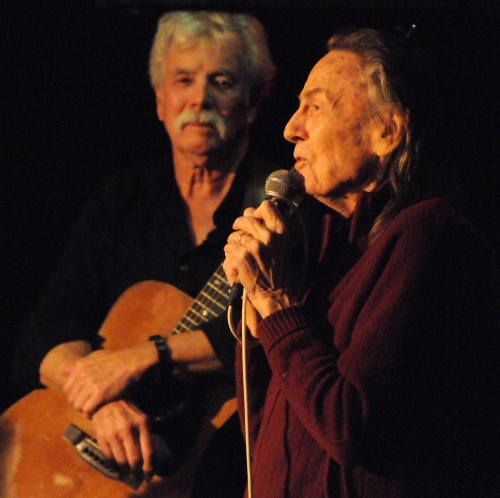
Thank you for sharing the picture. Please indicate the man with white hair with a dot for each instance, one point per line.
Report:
(166, 222)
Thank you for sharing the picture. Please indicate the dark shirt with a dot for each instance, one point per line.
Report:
(134, 228)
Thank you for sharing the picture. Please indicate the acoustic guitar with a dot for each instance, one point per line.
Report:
(47, 449)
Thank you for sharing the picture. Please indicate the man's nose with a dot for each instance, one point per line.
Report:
(202, 96)
(294, 129)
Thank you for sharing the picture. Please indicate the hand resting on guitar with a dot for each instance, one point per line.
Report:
(105, 375)
(124, 435)
(95, 383)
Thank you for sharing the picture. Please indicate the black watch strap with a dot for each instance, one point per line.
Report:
(164, 353)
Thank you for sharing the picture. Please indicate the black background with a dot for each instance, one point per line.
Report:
(76, 105)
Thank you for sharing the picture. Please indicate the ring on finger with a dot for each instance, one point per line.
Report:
(240, 236)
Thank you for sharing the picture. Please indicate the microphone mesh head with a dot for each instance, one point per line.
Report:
(285, 185)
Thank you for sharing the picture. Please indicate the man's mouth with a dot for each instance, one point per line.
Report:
(299, 161)
(198, 124)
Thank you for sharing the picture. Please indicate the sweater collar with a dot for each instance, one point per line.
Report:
(368, 208)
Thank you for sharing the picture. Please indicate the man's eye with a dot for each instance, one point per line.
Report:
(223, 82)
(183, 80)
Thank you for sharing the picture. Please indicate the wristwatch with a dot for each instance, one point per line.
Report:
(164, 353)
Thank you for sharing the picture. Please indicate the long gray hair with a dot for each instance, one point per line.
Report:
(399, 77)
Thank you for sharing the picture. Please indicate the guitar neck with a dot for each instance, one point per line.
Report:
(210, 303)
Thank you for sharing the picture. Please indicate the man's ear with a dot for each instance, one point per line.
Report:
(390, 133)
(252, 114)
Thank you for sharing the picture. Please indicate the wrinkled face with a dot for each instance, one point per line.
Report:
(203, 100)
(335, 143)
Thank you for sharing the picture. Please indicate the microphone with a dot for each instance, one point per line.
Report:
(285, 188)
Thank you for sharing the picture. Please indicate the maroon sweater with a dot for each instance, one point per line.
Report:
(383, 394)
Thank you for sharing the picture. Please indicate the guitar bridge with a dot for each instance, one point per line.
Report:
(88, 449)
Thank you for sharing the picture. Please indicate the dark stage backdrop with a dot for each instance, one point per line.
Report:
(76, 106)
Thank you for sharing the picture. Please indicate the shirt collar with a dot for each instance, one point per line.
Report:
(368, 207)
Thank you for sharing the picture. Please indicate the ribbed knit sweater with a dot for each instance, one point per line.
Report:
(379, 384)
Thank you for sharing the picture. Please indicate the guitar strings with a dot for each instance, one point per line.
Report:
(210, 302)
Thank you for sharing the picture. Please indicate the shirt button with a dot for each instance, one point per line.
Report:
(184, 268)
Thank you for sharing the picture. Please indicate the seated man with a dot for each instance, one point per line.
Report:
(166, 221)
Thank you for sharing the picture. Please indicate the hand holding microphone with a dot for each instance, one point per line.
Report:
(256, 251)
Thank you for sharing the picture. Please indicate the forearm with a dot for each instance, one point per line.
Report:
(193, 351)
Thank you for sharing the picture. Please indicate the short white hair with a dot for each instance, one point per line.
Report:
(183, 29)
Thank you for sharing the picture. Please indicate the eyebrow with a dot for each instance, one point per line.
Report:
(311, 93)
(218, 72)
(181, 70)
(320, 91)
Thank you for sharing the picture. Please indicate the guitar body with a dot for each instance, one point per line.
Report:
(35, 460)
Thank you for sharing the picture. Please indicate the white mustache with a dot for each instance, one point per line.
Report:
(202, 117)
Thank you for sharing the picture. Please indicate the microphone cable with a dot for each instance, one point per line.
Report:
(281, 188)
(244, 355)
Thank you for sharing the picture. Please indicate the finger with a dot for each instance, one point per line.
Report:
(229, 267)
(90, 399)
(244, 266)
(244, 223)
(77, 390)
(257, 228)
(132, 450)
(68, 385)
(111, 428)
(147, 450)
(91, 404)
(241, 235)
(104, 447)
(80, 402)
(75, 382)
(236, 237)
(138, 444)
(249, 211)
(270, 214)
(72, 389)
(105, 424)
(117, 449)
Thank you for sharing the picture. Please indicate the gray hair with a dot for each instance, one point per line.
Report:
(399, 78)
(183, 29)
